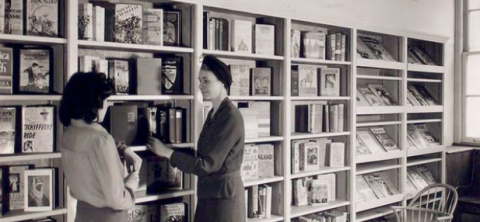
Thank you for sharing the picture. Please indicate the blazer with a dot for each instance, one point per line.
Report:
(219, 155)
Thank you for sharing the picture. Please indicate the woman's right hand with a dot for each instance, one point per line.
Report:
(132, 180)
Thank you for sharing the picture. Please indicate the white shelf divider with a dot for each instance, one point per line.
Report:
(425, 151)
(377, 110)
(264, 139)
(370, 63)
(380, 123)
(249, 183)
(424, 80)
(375, 167)
(322, 170)
(425, 68)
(30, 39)
(319, 98)
(300, 136)
(239, 55)
(29, 157)
(391, 78)
(380, 156)
(318, 61)
(297, 211)
(142, 197)
(362, 206)
(131, 47)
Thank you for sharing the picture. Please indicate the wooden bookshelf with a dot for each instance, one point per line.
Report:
(132, 47)
(31, 40)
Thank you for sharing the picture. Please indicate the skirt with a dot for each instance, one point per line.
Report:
(90, 213)
(221, 210)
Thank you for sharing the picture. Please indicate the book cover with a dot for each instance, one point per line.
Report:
(322, 153)
(262, 202)
(416, 137)
(426, 95)
(85, 21)
(361, 100)
(153, 213)
(250, 119)
(315, 118)
(173, 213)
(343, 51)
(139, 213)
(308, 83)
(377, 48)
(263, 117)
(372, 182)
(338, 47)
(172, 75)
(384, 139)
(147, 124)
(364, 189)
(294, 81)
(326, 118)
(6, 71)
(172, 25)
(382, 93)
(39, 190)
(127, 27)
(261, 81)
(368, 94)
(264, 39)
(206, 30)
(331, 180)
(300, 192)
(86, 63)
(295, 44)
(149, 76)
(420, 98)
(266, 161)
(153, 26)
(240, 80)
(412, 99)
(318, 193)
(253, 202)
(98, 23)
(412, 58)
(341, 117)
(211, 34)
(333, 121)
(314, 45)
(422, 55)
(7, 130)
(331, 44)
(336, 154)
(14, 17)
(161, 175)
(329, 82)
(427, 136)
(295, 156)
(418, 181)
(42, 18)
(241, 36)
(361, 148)
(16, 187)
(172, 126)
(123, 123)
(369, 140)
(385, 183)
(310, 153)
(426, 174)
(223, 37)
(119, 71)
(180, 125)
(363, 51)
(163, 126)
(249, 169)
(35, 71)
(38, 129)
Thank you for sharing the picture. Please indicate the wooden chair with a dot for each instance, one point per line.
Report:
(435, 202)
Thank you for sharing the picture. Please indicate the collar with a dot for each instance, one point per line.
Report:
(222, 106)
(80, 123)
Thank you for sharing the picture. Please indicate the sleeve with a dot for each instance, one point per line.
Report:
(212, 160)
(107, 166)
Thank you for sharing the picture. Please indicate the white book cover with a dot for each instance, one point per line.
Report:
(42, 18)
(101, 66)
(266, 161)
(139, 213)
(330, 179)
(427, 136)
(240, 80)
(318, 193)
(250, 119)
(336, 155)
(369, 140)
(307, 78)
(38, 129)
(341, 117)
(300, 193)
(361, 100)
(295, 44)
(85, 21)
(249, 169)
(314, 45)
(363, 51)
(384, 139)
(99, 23)
(295, 149)
(39, 190)
(330, 82)
(7, 130)
(2, 16)
(382, 93)
(322, 152)
(269, 202)
(153, 26)
(310, 151)
(315, 120)
(14, 17)
(264, 39)
(242, 36)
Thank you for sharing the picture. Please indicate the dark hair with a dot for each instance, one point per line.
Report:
(83, 96)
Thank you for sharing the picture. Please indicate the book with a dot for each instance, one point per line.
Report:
(427, 175)
(336, 154)
(263, 117)
(16, 187)
(119, 71)
(416, 137)
(314, 45)
(6, 71)
(412, 58)
(153, 213)
(42, 18)
(139, 213)
(412, 99)
(39, 190)
(152, 32)
(7, 130)
(427, 136)
(85, 21)
(206, 30)
(369, 140)
(222, 32)
(377, 48)
(295, 43)
(261, 81)
(35, 71)
(264, 39)
(172, 23)
(418, 181)
(330, 179)
(266, 161)
(343, 52)
(318, 193)
(241, 36)
(161, 175)
(382, 93)
(172, 75)
(333, 118)
(326, 118)
(384, 139)
(173, 212)
(127, 24)
(331, 45)
(171, 125)
(361, 148)
(315, 118)
(363, 51)
(300, 193)
(422, 55)
(38, 129)
(373, 183)
(122, 122)
(250, 119)
(249, 169)
(86, 63)
(294, 81)
(253, 202)
(14, 17)
(427, 96)
(309, 152)
(370, 96)
(364, 189)
(180, 120)
(341, 117)
(149, 76)
(338, 47)
(329, 82)
(307, 79)
(361, 100)
(240, 80)
(98, 23)
(386, 185)
(147, 124)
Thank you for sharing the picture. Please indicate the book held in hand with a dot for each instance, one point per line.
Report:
(42, 18)
(39, 190)
(38, 129)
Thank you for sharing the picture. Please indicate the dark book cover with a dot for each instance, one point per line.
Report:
(206, 29)
(148, 76)
(7, 130)
(6, 71)
(172, 130)
(42, 18)
(147, 124)
(16, 186)
(38, 129)
(123, 123)
(35, 73)
(162, 127)
(172, 24)
(3, 190)
(172, 75)
(14, 17)
(224, 34)
(161, 175)
(326, 118)
(294, 83)
(301, 118)
(120, 72)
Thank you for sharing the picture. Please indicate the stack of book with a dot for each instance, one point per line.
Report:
(259, 201)
(418, 178)
(417, 55)
(248, 81)
(370, 47)
(311, 155)
(374, 186)
(374, 140)
(318, 117)
(419, 137)
(175, 212)
(320, 44)
(333, 215)
(374, 95)
(258, 162)
(418, 95)
(316, 191)
(315, 80)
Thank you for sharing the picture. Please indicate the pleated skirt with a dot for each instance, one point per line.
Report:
(221, 210)
(89, 213)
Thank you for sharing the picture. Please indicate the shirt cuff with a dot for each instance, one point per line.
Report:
(176, 156)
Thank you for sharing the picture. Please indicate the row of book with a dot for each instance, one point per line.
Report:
(417, 55)
(374, 95)
(320, 44)
(141, 76)
(374, 140)
(310, 155)
(419, 178)
(175, 212)
(248, 81)
(315, 80)
(374, 186)
(157, 174)
(327, 216)
(318, 117)
(259, 201)
(314, 191)
(418, 95)
(129, 23)
(24, 188)
(420, 137)
(237, 35)
(258, 162)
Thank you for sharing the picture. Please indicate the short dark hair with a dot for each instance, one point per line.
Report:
(83, 96)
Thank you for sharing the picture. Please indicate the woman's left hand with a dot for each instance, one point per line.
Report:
(157, 147)
(132, 159)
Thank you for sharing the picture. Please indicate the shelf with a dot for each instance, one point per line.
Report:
(319, 98)
(142, 197)
(131, 47)
(300, 136)
(373, 110)
(264, 139)
(379, 77)
(375, 167)
(458, 149)
(257, 98)
(424, 121)
(411, 194)
(239, 55)
(318, 61)
(30, 97)
(259, 181)
(425, 68)
(424, 80)
(381, 123)
(157, 97)
(362, 206)
(23, 216)
(322, 170)
(380, 64)
(179, 145)
(297, 211)
(375, 213)
(273, 218)
(379, 156)
(424, 109)
(26, 39)
(29, 157)
(421, 161)
(425, 151)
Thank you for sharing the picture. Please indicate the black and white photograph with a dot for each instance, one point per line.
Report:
(39, 188)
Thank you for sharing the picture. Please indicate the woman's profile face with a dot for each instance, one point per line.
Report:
(210, 86)
(103, 111)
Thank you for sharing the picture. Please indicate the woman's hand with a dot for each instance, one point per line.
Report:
(132, 180)
(157, 147)
(132, 159)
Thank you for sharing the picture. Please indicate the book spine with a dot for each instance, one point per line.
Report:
(220, 34)
(334, 118)
(217, 34)
(172, 116)
(206, 29)
(326, 118)
(85, 21)
(344, 48)
(338, 46)
(333, 45)
(211, 34)
(225, 36)
(341, 117)
(311, 118)
(295, 86)
(99, 24)
(178, 126)
(295, 157)
(253, 202)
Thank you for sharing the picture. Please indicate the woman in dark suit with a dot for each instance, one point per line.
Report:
(221, 194)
